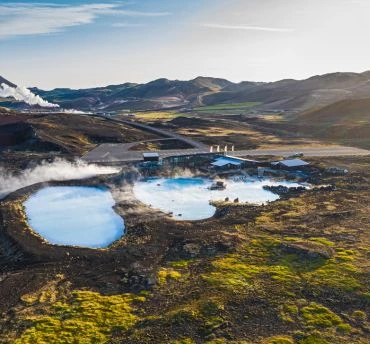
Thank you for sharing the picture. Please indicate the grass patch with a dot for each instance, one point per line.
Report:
(280, 340)
(339, 276)
(313, 316)
(235, 106)
(89, 318)
(313, 340)
(160, 115)
(166, 274)
(317, 315)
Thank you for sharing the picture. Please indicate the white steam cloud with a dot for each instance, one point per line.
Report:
(23, 94)
(58, 170)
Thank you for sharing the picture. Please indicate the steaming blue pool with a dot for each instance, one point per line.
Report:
(74, 215)
(188, 198)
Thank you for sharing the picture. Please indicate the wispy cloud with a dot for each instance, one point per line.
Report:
(128, 25)
(35, 19)
(245, 27)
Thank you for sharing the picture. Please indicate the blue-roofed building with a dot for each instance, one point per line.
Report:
(290, 164)
(229, 162)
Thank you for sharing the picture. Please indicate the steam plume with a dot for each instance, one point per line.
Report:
(23, 94)
(58, 170)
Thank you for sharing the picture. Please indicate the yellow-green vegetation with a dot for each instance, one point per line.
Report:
(280, 340)
(313, 340)
(166, 274)
(88, 317)
(336, 275)
(235, 106)
(184, 341)
(312, 315)
(180, 263)
(359, 315)
(159, 115)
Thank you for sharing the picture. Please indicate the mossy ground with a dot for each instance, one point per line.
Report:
(299, 274)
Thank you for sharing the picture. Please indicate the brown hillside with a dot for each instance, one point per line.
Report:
(349, 111)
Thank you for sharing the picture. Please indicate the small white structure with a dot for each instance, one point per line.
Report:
(231, 162)
(290, 163)
(226, 162)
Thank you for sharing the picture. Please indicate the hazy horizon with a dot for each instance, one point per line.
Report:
(81, 44)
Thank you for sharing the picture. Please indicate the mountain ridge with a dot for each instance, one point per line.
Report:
(161, 94)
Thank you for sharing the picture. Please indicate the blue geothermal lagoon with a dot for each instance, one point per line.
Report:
(188, 198)
(74, 215)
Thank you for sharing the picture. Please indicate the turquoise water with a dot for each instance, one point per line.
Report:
(74, 215)
(188, 198)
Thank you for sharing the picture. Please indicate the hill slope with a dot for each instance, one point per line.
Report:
(346, 122)
(285, 95)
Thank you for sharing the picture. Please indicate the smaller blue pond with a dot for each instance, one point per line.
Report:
(74, 215)
(189, 198)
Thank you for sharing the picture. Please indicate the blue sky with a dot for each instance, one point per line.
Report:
(64, 43)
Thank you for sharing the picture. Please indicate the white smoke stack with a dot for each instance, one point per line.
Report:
(23, 94)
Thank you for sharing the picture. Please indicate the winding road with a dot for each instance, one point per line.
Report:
(120, 153)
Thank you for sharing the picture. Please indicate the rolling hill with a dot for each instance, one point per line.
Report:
(285, 95)
(346, 122)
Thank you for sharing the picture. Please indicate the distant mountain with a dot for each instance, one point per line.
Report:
(157, 94)
(286, 95)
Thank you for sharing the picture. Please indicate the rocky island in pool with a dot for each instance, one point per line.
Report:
(75, 216)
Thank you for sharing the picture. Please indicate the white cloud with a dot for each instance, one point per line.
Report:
(43, 19)
(140, 14)
(128, 25)
(245, 27)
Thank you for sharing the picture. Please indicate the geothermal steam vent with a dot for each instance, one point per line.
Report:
(76, 216)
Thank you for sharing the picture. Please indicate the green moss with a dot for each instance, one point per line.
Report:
(242, 270)
(184, 341)
(280, 340)
(180, 263)
(359, 315)
(323, 241)
(313, 340)
(317, 315)
(345, 255)
(89, 318)
(166, 274)
(288, 312)
(341, 276)
(344, 328)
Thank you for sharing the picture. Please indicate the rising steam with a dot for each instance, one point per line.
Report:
(23, 94)
(58, 170)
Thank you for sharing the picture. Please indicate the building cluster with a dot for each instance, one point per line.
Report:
(220, 162)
